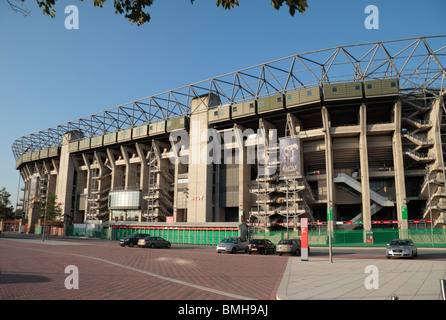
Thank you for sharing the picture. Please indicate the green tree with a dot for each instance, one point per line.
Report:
(52, 210)
(6, 209)
(136, 11)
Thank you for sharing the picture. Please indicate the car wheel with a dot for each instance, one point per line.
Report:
(234, 250)
(122, 245)
(168, 245)
(387, 256)
(280, 254)
(297, 252)
(249, 252)
(131, 244)
(152, 245)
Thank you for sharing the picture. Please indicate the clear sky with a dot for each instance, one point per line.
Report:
(50, 75)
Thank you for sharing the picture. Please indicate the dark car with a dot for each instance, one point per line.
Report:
(262, 246)
(131, 240)
(153, 242)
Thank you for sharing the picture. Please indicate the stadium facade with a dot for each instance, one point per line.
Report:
(354, 134)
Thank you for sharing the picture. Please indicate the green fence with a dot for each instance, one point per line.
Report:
(85, 231)
(360, 238)
(201, 236)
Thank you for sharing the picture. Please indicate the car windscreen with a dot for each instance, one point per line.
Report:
(283, 241)
(228, 240)
(256, 242)
(400, 243)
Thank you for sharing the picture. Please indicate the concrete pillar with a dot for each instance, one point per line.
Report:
(199, 207)
(65, 181)
(398, 164)
(144, 175)
(364, 164)
(244, 174)
(329, 172)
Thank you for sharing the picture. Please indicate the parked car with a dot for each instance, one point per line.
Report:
(288, 246)
(233, 244)
(131, 240)
(401, 248)
(153, 242)
(262, 246)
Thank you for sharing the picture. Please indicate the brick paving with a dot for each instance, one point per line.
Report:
(34, 270)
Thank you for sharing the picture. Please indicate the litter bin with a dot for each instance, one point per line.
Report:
(369, 237)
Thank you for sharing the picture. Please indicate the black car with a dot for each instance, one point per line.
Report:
(262, 246)
(132, 240)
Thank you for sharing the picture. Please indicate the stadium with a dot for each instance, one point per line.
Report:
(351, 135)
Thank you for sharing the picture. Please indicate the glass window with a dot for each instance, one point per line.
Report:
(393, 84)
(234, 109)
(260, 104)
(369, 86)
(215, 113)
(279, 99)
(182, 120)
(309, 93)
(289, 97)
(251, 105)
(334, 89)
(357, 87)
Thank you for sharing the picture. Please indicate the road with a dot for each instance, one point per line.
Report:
(31, 269)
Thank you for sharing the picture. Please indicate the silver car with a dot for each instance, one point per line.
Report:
(153, 242)
(233, 244)
(401, 248)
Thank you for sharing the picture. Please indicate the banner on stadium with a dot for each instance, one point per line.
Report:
(290, 160)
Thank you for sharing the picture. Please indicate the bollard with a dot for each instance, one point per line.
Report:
(443, 288)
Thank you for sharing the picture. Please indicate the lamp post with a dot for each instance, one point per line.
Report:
(44, 215)
(429, 201)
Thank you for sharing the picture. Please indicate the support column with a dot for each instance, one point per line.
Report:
(66, 171)
(244, 174)
(329, 172)
(199, 206)
(398, 164)
(144, 175)
(364, 163)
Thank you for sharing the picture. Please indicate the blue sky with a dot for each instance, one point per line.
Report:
(50, 75)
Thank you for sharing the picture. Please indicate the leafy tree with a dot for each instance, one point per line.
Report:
(52, 210)
(6, 209)
(136, 11)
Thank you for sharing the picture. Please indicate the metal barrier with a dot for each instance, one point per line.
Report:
(360, 238)
(185, 235)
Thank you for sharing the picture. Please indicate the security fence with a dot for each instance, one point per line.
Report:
(360, 238)
(200, 236)
(212, 236)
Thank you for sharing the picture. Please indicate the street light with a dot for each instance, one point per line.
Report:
(44, 215)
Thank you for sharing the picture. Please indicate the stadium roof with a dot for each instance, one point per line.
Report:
(419, 64)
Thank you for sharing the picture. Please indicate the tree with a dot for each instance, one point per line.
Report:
(136, 11)
(52, 210)
(6, 209)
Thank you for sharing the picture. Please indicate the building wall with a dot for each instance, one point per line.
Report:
(370, 146)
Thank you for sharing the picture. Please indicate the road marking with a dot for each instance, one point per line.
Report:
(188, 284)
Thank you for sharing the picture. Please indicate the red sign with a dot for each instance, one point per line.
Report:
(169, 219)
(304, 233)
